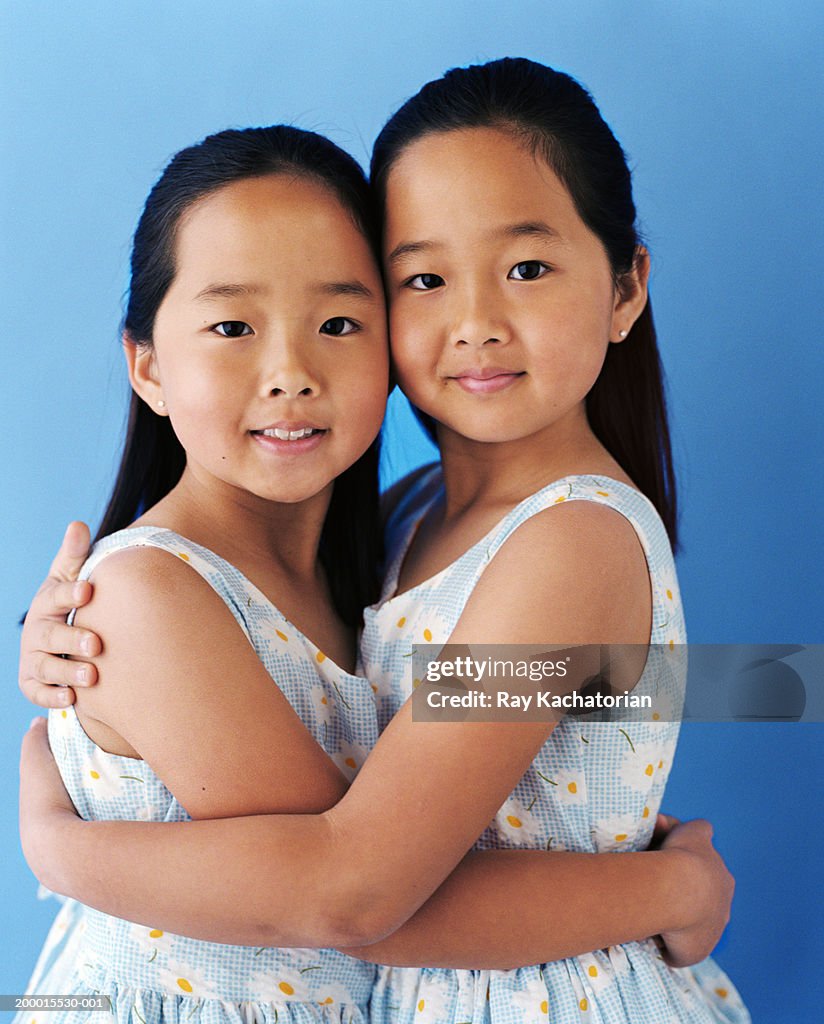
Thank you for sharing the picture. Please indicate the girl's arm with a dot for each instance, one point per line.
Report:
(351, 890)
(587, 901)
(184, 690)
(574, 902)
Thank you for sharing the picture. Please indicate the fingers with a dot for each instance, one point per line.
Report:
(47, 681)
(73, 552)
(697, 827)
(44, 674)
(664, 824)
(56, 598)
(45, 638)
(45, 678)
(50, 636)
(46, 695)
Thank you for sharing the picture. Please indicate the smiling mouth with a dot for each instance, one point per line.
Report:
(281, 434)
(480, 382)
(486, 373)
(289, 435)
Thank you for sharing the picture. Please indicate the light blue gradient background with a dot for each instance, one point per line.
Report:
(719, 107)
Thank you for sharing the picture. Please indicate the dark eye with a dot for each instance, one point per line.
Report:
(529, 270)
(425, 282)
(232, 329)
(338, 326)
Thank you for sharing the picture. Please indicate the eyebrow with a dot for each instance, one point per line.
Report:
(356, 288)
(229, 290)
(406, 249)
(526, 229)
(226, 290)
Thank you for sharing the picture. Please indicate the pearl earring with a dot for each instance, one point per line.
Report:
(622, 334)
(161, 404)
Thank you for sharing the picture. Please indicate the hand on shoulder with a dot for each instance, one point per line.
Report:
(182, 687)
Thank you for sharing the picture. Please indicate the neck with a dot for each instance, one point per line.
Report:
(243, 528)
(478, 473)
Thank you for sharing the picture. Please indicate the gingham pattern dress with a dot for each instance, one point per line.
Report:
(150, 975)
(593, 787)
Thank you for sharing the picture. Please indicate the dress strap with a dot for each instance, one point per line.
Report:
(227, 582)
(614, 494)
(638, 510)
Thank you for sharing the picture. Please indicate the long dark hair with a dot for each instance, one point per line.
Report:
(153, 458)
(556, 118)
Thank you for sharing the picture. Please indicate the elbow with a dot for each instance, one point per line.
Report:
(340, 900)
(332, 919)
(356, 914)
(365, 904)
(358, 902)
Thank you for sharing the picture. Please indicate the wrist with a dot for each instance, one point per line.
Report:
(683, 889)
(47, 848)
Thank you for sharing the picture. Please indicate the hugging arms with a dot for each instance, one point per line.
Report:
(372, 873)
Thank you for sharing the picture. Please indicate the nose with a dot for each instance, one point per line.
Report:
(289, 372)
(478, 318)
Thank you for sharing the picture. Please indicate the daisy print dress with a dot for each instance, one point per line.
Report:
(151, 976)
(594, 787)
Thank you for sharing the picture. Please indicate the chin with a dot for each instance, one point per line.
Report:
(486, 432)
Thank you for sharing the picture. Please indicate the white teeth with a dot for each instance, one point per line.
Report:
(288, 435)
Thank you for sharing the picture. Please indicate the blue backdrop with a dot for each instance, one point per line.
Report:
(720, 109)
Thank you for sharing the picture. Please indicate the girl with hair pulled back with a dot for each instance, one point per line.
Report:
(522, 334)
(256, 347)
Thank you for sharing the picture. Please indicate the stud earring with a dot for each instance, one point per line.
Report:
(622, 334)
(161, 404)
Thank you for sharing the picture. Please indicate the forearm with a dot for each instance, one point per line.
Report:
(505, 908)
(231, 880)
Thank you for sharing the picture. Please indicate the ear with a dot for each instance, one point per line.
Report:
(630, 297)
(143, 376)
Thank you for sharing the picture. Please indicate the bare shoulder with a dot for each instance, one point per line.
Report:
(392, 496)
(574, 572)
(146, 595)
(182, 688)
